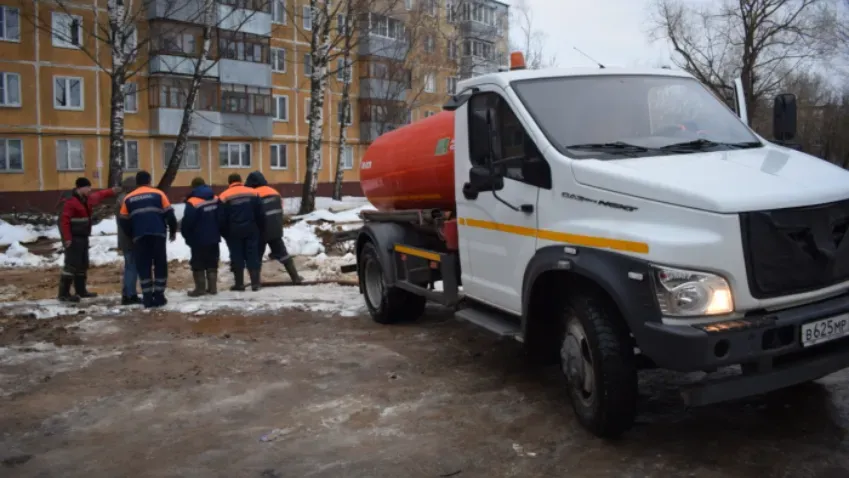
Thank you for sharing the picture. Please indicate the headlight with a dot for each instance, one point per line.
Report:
(690, 293)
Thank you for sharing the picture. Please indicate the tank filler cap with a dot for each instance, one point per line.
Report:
(517, 61)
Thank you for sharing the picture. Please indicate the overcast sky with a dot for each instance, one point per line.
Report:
(611, 31)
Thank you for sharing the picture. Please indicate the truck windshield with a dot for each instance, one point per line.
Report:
(606, 117)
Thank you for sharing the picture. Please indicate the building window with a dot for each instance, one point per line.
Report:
(308, 18)
(67, 93)
(452, 50)
(307, 108)
(278, 11)
(131, 155)
(280, 108)
(166, 40)
(341, 24)
(452, 85)
(11, 155)
(383, 26)
(279, 156)
(347, 157)
(430, 44)
(69, 155)
(243, 46)
(451, 11)
(431, 7)
(430, 83)
(278, 60)
(308, 64)
(343, 73)
(10, 89)
(131, 98)
(67, 30)
(339, 113)
(428, 114)
(478, 49)
(255, 5)
(234, 155)
(244, 99)
(409, 4)
(10, 24)
(191, 155)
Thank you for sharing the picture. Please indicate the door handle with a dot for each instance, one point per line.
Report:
(527, 208)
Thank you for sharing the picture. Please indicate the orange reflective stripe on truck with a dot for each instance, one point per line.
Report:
(576, 239)
(415, 251)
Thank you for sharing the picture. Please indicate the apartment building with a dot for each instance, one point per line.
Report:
(251, 110)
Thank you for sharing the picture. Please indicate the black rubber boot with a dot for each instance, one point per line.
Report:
(212, 281)
(255, 283)
(200, 284)
(65, 289)
(130, 300)
(80, 287)
(289, 264)
(238, 280)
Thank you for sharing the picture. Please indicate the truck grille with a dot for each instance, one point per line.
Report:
(795, 250)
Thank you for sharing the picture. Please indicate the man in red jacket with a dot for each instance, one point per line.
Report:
(75, 227)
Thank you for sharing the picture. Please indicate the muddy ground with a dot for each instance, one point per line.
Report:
(310, 394)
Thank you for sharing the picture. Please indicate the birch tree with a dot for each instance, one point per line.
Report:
(347, 32)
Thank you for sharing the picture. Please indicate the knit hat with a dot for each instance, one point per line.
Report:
(82, 183)
(234, 178)
(142, 178)
(198, 181)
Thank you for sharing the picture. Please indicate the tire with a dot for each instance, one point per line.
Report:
(386, 305)
(594, 340)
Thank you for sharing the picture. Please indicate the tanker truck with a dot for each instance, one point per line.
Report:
(614, 220)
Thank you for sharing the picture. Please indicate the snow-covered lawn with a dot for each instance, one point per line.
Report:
(300, 237)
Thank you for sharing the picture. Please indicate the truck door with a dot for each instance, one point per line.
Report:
(740, 101)
(497, 231)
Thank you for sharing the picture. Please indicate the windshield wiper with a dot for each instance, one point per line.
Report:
(701, 144)
(617, 147)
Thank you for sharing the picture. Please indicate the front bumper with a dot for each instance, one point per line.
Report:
(768, 346)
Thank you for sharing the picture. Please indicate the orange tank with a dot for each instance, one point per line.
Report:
(412, 167)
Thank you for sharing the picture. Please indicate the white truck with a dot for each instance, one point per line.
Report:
(614, 220)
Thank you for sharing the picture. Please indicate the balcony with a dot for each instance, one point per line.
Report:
(181, 65)
(475, 66)
(244, 73)
(189, 11)
(211, 124)
(369, 130)
(374, 45)
(470, 28)
(167, 122)
(247, 21)
(379, 89)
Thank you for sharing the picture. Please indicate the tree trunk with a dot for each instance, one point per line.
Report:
(176, 159)
(116, 129)
(320, 49)
(118, 79)
(346, 109)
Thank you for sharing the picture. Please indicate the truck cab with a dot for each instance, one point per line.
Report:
(620, 219)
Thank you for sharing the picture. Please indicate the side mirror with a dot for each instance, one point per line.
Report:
(536, 171)
(481, 179)
(784, 117)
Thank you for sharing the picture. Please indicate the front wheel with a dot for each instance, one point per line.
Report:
(387, 305)
(598, 362)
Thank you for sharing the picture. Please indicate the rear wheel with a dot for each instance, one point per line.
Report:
(598, 362)
(387, 305)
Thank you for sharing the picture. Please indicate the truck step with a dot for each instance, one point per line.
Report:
(496, 322)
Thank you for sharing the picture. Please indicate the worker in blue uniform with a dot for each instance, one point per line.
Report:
(146, 216)
(242, 224)
(200, 228)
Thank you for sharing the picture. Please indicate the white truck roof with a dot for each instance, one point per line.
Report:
(504, 78)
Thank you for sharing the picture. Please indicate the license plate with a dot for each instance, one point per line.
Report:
(825, 330)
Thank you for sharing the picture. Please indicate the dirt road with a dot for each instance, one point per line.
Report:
(312, 394)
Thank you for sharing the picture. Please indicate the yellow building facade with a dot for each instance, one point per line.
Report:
(55, 104)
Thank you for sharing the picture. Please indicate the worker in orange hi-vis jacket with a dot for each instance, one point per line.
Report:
(146, 216)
